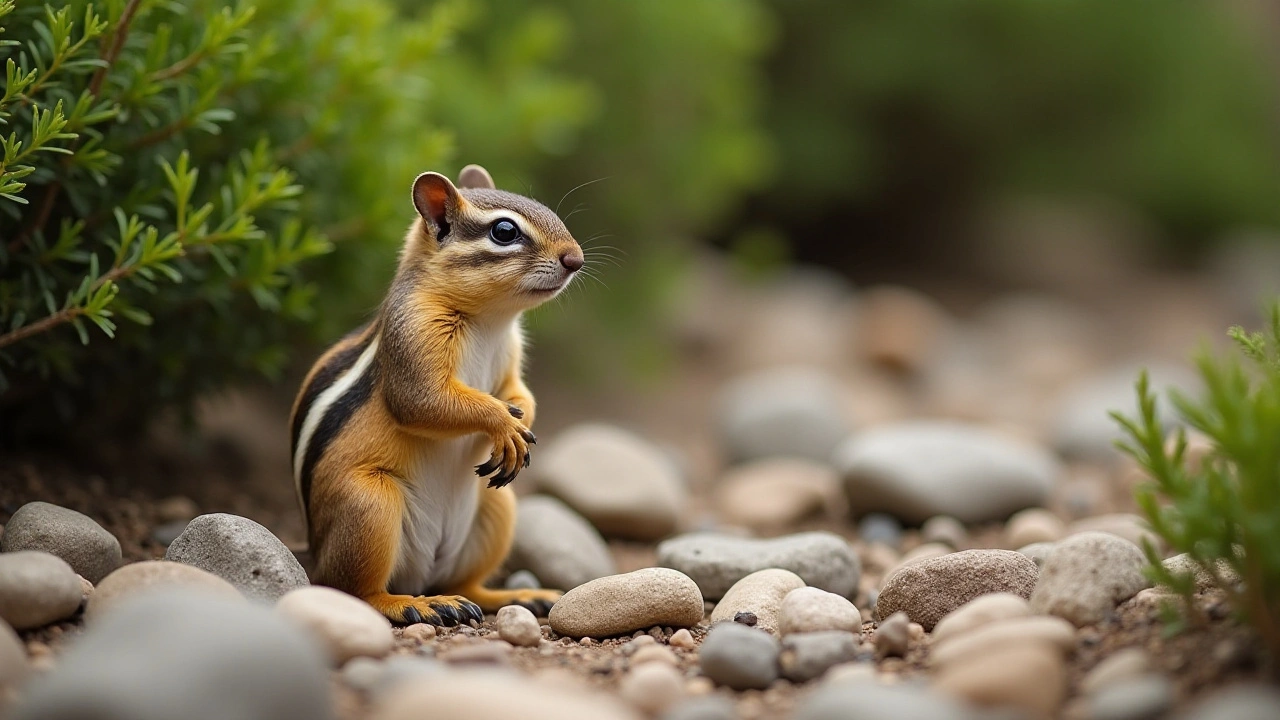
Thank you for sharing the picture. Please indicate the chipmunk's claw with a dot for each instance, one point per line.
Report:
(529, 437)
(488, 466)
(516, 412)
(540, 608)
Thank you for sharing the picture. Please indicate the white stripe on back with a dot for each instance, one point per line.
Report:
(321, 406)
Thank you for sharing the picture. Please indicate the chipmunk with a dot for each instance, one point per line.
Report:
(394, 423)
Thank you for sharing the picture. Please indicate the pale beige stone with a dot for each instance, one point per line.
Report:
(345, 625)
(806, 610)
(981, 611)
(1036, 629)
(1121, 665)
(1033, 525)
(1029, 677)
(760, 593)
(149, 576)
(632, 601)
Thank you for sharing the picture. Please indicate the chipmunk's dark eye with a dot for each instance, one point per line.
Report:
(504, 232)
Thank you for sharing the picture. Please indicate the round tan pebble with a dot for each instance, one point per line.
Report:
(1036, 629)
(945, 530)
(622, 603)
(148, 576)
(850, 672)
(773, 494)
(652, 687)
(1129, 526)
(1121, 665)
(759, 593)
(1030, 677)
(654, 653)
(1033, 525)
(810, 609)
(683, 639)
(421, 632)
(699, 685)
(345, 625)
(929, 590)
(518, 626)
(86, 588)
(1087, 575)
(981, 611)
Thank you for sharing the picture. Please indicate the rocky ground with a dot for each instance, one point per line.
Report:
(841, 504)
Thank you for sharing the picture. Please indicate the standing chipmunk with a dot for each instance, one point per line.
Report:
(391, 421)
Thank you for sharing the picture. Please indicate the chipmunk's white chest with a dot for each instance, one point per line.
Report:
(442, 488)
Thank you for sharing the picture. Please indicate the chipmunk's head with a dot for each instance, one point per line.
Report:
(498, 250)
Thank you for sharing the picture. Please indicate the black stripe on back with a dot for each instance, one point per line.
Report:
(335, 418)
(327, 376)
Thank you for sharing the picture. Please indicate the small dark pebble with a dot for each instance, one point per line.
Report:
(745, 618)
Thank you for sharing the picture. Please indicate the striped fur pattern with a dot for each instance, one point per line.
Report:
(401, 424)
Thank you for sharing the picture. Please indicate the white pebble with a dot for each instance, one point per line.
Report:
(518, 626)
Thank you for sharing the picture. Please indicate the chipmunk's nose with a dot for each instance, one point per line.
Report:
(572, 260)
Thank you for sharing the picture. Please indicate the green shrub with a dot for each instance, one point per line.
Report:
(1224, 509)
(128, 214)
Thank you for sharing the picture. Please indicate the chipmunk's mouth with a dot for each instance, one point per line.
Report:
(548, 290)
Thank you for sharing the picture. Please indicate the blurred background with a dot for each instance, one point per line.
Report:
(991, 209)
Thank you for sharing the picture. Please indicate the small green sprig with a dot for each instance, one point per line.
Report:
(1223, 510)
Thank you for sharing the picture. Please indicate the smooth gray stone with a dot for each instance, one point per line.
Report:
(84, 544)
(240, 551)
(714, 561)
(179, 654)
(739, 657)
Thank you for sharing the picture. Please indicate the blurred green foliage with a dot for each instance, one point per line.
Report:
(1222, 510)
(921, 107)
(241, 139)
(145, 254)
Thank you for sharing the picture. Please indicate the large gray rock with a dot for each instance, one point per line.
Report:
(918, 469)
(1082, 426)
(36, 589)
(739, 657)
(791, 411)
(929, 590)
(557, 544)
(872, 701)
(716, 562)
(240, 551)
(1087, 575)
(86, 546)
(617, 480)
(179, 654)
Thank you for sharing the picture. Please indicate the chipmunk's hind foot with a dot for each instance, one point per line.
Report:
(442, 610)
(536, 600)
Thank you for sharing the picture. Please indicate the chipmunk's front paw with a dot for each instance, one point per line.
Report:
(510, 451)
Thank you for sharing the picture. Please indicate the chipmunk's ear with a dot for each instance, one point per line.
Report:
(437, 201)
(474, 176)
